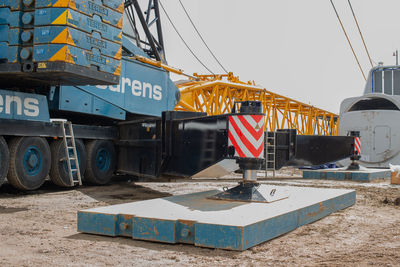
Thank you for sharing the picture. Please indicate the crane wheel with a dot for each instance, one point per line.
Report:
(59, 169)
(4, 159)
(30, 161)
(100, 161)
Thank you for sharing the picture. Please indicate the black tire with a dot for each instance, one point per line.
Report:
(30, 161)
(59, 170)
(101, 161)
(4, 160)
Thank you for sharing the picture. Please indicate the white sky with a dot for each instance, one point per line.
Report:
(294, 48)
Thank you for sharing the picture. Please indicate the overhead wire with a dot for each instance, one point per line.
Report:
(348, 40)
(359, 30)
(201, 37)
(183, 40)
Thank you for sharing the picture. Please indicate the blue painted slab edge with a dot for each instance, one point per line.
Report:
(242, 238)
(210, 235)
(351, 175)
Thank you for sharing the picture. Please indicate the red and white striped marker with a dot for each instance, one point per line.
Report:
(357, 145)
(246, 134)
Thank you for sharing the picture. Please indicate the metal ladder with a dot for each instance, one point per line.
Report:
(270, 150)
(69, 144)
(208, 152)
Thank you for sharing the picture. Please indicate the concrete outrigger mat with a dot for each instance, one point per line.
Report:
(364, 175)
(195, 219)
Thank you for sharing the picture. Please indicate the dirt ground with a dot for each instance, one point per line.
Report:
(39, 229)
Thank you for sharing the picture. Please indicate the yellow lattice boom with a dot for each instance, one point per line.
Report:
(216, 94)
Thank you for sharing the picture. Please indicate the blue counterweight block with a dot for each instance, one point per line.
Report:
(69, 17)
(75, 37)
(77, 56)
(116, 5)
(90, 8)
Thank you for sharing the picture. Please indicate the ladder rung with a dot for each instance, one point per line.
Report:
(68, 134)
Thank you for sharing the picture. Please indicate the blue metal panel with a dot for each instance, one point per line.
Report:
(23, 106)
(124, 225)
(153, 230)
(103, 108)
(12, 4)
(184, 232)
(143, 89)
(87, 41)
(97, 223)
(11, 36)
(311, 175)
(132, 48)
(78, 56)
(358, 176)
(260, 232)
(9, 53)
(73, 99)
(219, 236)
(65, 16)
(82, 4)
(317, 211)
(90, 8)
(11, 18)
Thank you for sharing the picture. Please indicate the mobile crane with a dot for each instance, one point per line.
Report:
(74, 87)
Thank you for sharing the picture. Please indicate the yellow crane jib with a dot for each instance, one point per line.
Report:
(216, 94)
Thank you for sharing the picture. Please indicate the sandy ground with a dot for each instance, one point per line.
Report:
(39, 229)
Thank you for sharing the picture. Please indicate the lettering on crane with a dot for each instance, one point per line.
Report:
(136, 88)
(17, 105)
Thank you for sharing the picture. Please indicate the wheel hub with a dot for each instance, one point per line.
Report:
(32, 160)
(103, 159)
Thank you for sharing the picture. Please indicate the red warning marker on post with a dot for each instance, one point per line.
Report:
(357, 145)
(246, 134)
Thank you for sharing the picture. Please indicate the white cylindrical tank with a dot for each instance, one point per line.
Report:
(377, 117)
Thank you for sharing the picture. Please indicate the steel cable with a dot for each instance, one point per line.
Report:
(180, 36)
(201, 37)
(348, 40)
(359, 30)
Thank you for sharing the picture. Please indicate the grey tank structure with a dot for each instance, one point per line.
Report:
(376, 116)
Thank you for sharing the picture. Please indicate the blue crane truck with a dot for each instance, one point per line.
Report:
(75, 60)
(70, 59)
